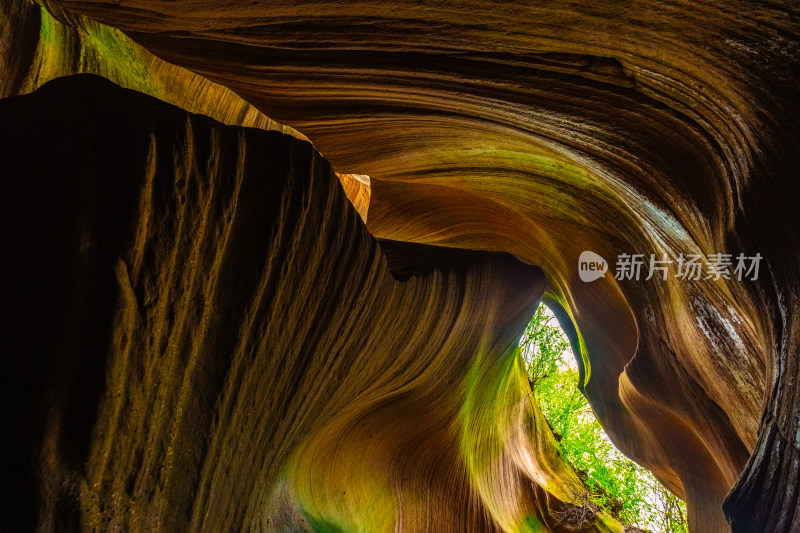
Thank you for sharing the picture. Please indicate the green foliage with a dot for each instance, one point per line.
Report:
(621, 487)
(546, 344)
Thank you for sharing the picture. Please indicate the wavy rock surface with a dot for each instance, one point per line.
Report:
(216, 343)
(38, 45)
(653, 128)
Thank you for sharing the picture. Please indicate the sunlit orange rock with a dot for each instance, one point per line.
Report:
(543, 131)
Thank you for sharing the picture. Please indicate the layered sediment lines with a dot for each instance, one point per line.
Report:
(651, 127)
(200, 334)
(38, 45)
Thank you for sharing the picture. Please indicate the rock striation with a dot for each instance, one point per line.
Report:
(202, 335)
(654, 128)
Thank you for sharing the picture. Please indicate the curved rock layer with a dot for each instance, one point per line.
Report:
(649, 127)
(38, 45)
(201, 335)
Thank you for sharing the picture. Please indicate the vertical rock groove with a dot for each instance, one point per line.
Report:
(654, 127)
(221, 346)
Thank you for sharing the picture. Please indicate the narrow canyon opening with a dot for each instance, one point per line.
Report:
(617, 485)
(203, 331)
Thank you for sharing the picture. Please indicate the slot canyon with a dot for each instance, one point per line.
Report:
(265, 264)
